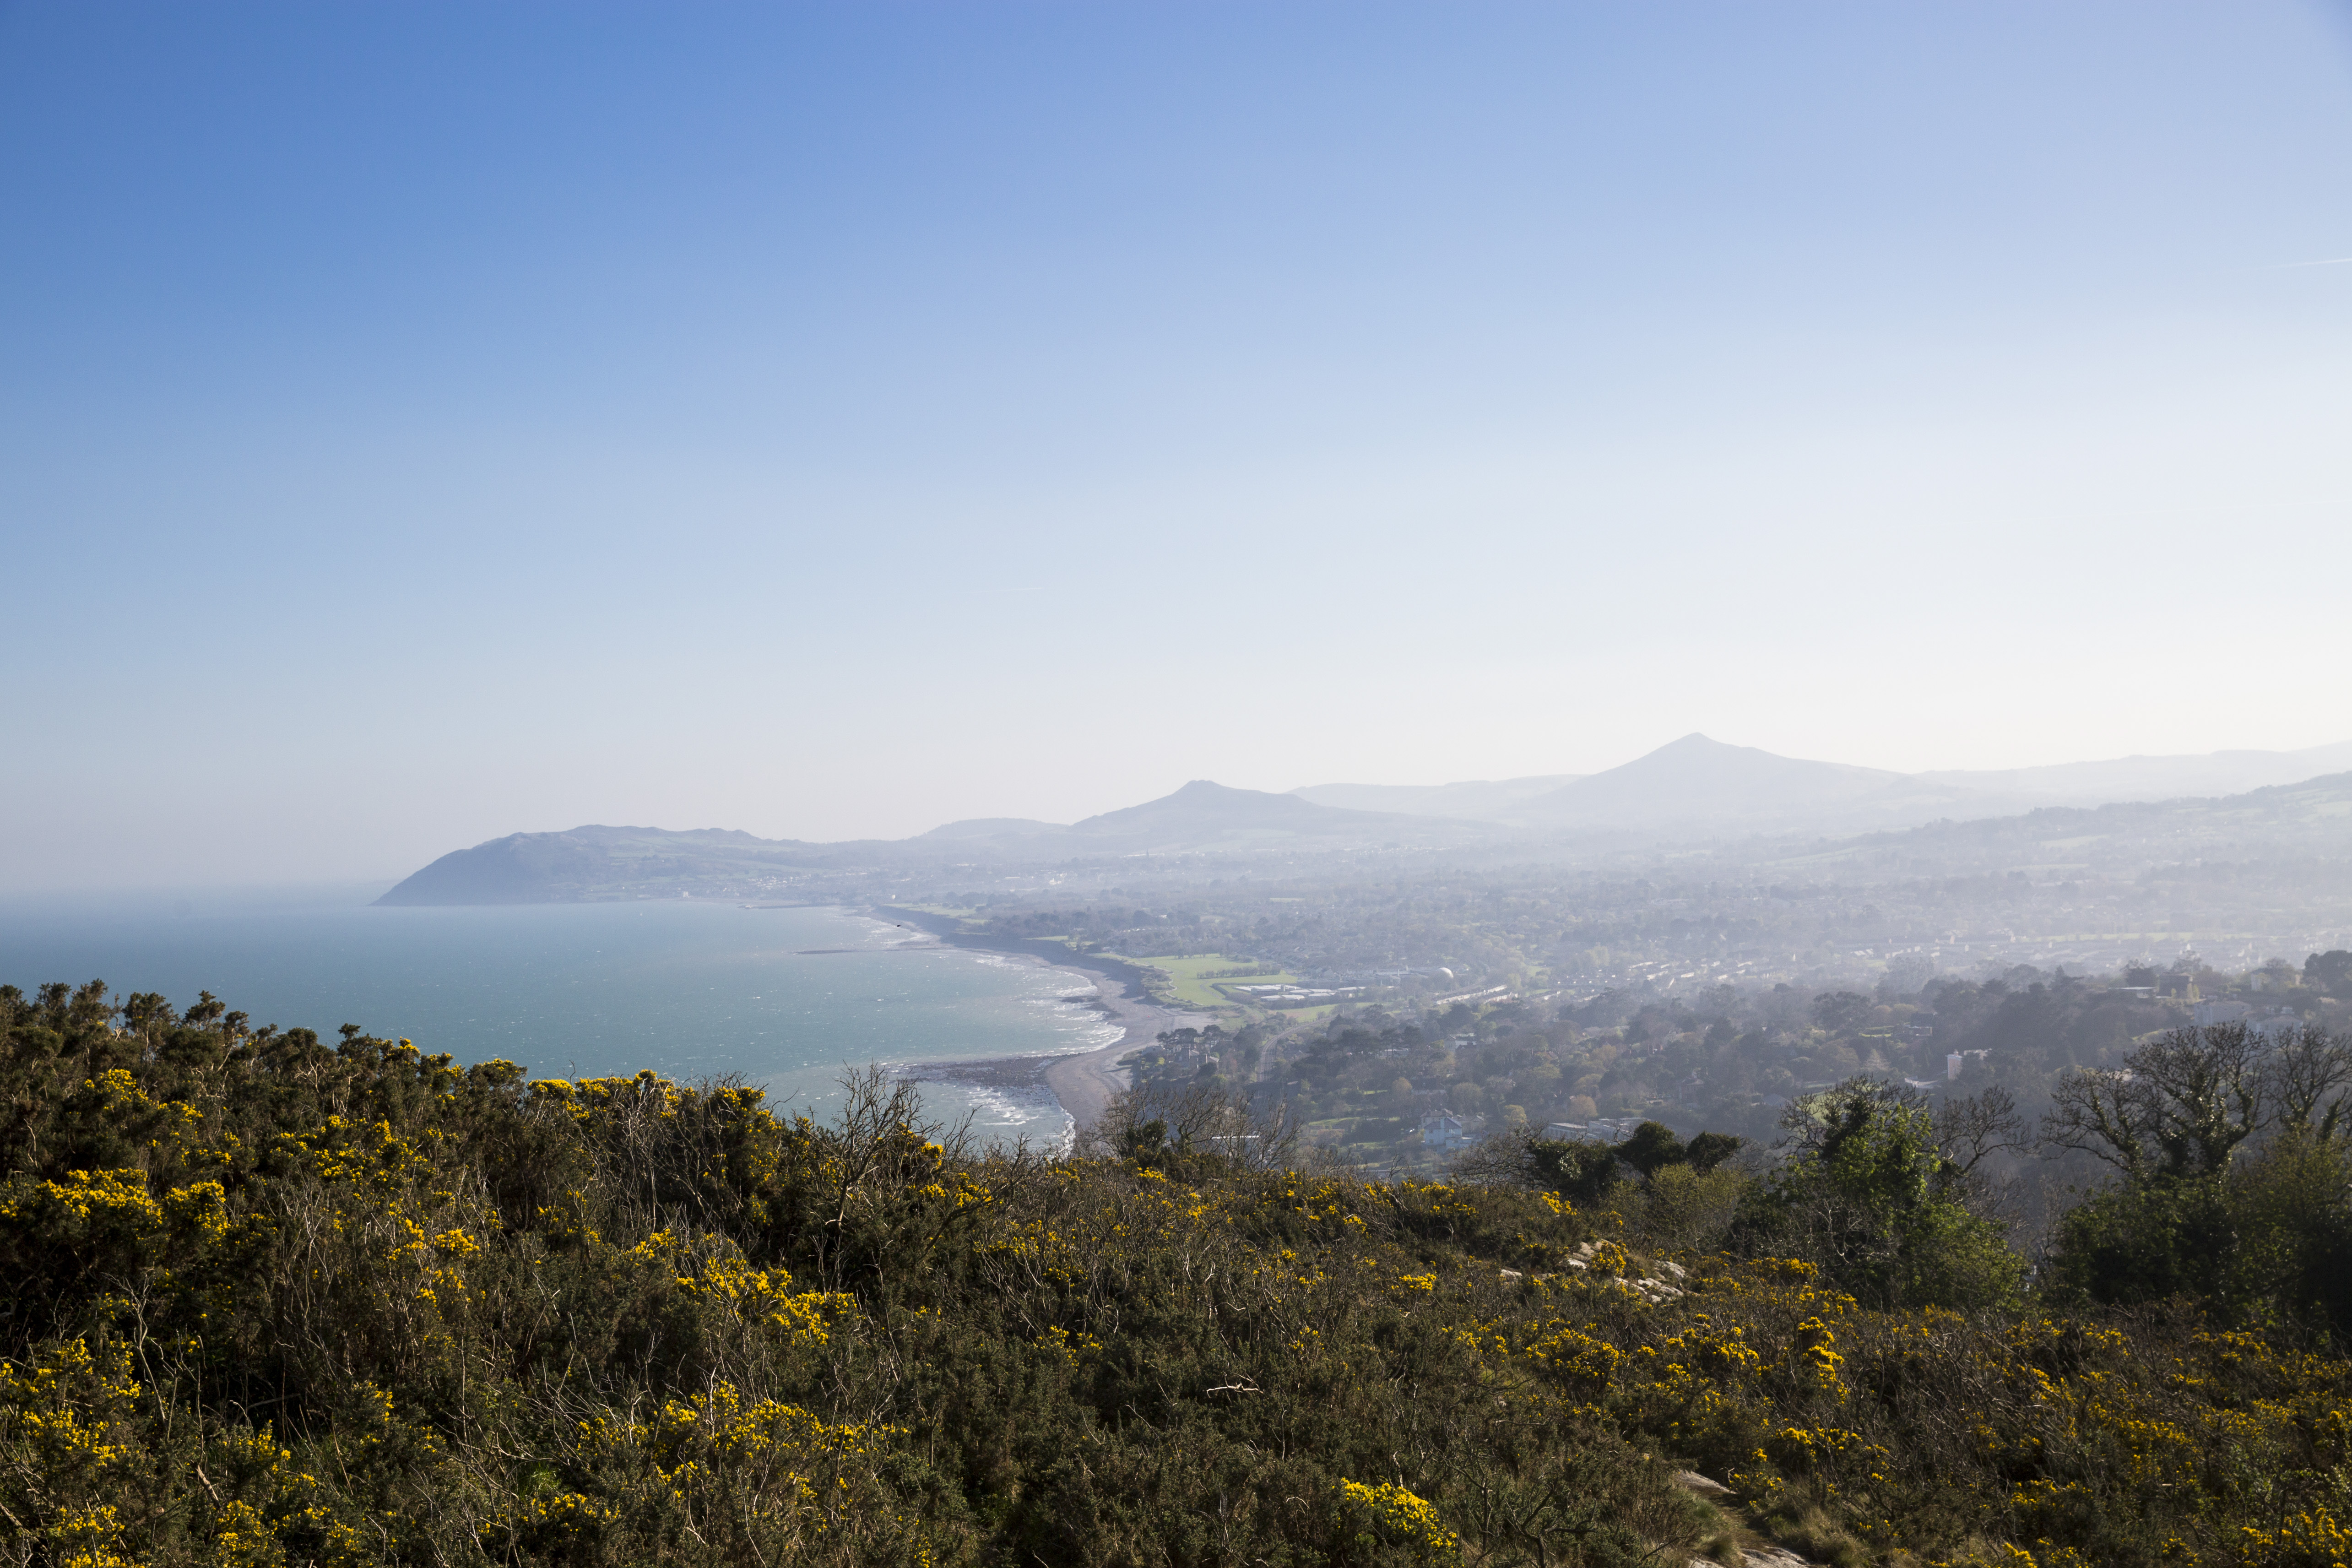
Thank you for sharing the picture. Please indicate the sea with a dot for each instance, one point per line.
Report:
(789, 998)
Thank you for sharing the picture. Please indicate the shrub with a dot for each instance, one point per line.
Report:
(279, 1301)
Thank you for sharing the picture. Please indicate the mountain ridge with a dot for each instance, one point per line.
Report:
(1698, 779)
(1692, 788)
(1575, 799)
(1473, 799)
(1201, 815)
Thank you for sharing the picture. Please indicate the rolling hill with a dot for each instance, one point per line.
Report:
(1744, 799)
(600, 862)
(1471, 800)
(2151, 778)
(1698, 785)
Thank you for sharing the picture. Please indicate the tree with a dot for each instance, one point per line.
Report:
(1906, 974)
(2180, 1106)
(2290, 1204)
(2329, 971)
(1581, 1172)
(1189, 1126)
(1709, 1150)
(1866, 1193)
(1652, 1147)
(1586, 1171)
(2251, 1234)
(2144, 1241)
(1842, 1012)
(2310, 1076)
(1970, 1130)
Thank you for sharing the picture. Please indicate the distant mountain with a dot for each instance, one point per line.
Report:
(1200, 816)
(561, 868)
(991, 827)
(1698, 783)
(2150, 778)
(1690, 789)
(2306, 825)
(1204, 810)
(1473, 800)
(1204, 815)
(598, 862)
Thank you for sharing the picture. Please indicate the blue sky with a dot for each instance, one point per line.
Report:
(419, 423)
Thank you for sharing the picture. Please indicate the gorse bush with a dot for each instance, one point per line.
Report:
(273, 1300)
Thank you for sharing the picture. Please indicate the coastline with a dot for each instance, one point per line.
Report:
(1083, 1083)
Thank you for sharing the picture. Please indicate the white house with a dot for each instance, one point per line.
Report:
(1443, 1130)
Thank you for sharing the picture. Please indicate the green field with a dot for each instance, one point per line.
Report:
(1184, 982)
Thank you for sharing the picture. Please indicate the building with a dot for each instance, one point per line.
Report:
(1603, 1130)
(1443, 1130)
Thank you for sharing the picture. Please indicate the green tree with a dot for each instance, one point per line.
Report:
(2232, 1164)
(2329, 971)
(1651, 1148)
(1842, 1012)
(1868, 1192)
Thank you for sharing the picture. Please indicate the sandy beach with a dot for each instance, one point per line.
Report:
(1086, 1083)
(1082, 1084)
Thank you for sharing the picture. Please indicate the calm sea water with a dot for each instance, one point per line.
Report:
(686, 988)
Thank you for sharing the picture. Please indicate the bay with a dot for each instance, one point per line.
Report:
(787, 997)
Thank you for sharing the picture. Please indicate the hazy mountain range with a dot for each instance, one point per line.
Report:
(1694, 788)
(1698, 782)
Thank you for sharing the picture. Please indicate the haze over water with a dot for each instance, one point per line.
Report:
(687, 989)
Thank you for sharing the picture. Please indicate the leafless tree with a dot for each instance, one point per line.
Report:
(2106, 1114)
(1970, 1130)
(1501, 1159)
(1149, 1123)
(2182, 1104)
(2310, 1078)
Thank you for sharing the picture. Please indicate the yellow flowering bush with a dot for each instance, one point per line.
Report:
(280, 1299)
(1386, 1514)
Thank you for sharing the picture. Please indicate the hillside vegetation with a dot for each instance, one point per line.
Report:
(276, 1301)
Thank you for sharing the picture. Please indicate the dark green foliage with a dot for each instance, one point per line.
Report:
(2329, 971)
(273, 1300)
(1581, 1172)
(1869, 1194)
(1841, 1012)
(1586, 1171)
(2233, 1178)
(2143, 1243)
(353, 1302)
(1709, 1150)
(2265, 1242)
(1652, 1147)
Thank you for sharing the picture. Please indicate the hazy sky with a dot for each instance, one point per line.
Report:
(419, 423)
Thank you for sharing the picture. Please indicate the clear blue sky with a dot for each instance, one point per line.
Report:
(420, 421)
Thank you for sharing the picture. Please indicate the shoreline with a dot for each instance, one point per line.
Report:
(1082, 1083)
